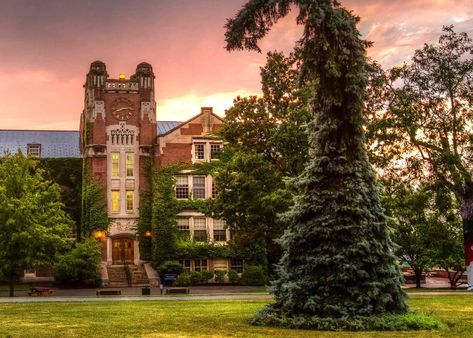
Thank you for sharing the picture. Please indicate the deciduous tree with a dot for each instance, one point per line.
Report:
(422, 127)
(33, 224)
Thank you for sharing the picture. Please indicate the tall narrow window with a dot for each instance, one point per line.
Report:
(129, 201)
(199, 151)
(200, 229)
(215, 151)
(214, 189)
(182, 187)
(183, 226)
(115, 164)
(115, 201)
(34, 150)
(198, 187)
(220, 234)
(129, 164)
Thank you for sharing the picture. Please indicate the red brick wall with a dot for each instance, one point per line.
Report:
(175, 153)
(193, 129)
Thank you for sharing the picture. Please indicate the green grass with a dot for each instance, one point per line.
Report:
(198, 318)
(436, 290)
(18, 287)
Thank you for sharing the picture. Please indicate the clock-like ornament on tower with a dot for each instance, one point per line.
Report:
(122, 109)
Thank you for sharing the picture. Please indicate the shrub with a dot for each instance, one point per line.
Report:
(206, 276)
(233, 276)
(183, 279)
(170, 267)
(270, 316)
(220, 276)
(80, 264)
(253, 275)
(195, 277)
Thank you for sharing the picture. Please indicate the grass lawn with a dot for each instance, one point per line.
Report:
(197, 318)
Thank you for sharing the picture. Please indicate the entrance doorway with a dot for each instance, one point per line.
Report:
(122, 251)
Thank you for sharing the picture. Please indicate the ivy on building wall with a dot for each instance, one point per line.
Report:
(158, 214)
(94, 208)
(67, 173)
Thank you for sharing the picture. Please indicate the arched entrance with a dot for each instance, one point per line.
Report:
(122, 251)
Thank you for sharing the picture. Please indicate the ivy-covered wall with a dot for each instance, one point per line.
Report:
(158, 213)
(67, 172)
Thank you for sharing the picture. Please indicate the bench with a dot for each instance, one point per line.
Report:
(108, 292)
(177, 290)
(40, 292)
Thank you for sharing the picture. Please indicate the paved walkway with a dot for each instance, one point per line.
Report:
(121, 298)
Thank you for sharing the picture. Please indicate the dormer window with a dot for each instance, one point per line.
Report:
(34, 150)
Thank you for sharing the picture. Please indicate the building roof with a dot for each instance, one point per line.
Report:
(166, 126)
(55, 143)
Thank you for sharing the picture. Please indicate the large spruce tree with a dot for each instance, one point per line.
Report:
(338, 261)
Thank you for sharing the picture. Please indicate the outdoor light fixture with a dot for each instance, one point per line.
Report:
(148, 234)
(99, 234)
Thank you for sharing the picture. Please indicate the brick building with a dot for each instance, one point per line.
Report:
(118, 134)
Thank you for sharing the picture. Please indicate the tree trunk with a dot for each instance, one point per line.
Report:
(418, 276)
(466, 213)
(11, 284)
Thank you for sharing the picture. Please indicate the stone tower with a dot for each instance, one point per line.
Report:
(118, 131)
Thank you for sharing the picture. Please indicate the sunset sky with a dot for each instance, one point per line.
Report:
(46, 48)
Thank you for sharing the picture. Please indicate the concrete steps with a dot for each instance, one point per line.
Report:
(118, 276)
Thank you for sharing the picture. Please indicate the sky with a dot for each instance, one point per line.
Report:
(46, 48)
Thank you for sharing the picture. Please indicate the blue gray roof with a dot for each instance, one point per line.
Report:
(55, 144)
(165, 126)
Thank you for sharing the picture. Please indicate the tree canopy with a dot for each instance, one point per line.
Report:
(33, 224)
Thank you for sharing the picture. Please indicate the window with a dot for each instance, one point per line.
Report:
(115, 164)
(236, 265)
(214, 189)
(185, 265)
(200, 265)
(198, 187)
(183, 226)
(129, 201)
(200, 229)
(34, 150)
(129, 164)
(215, 151)
(220, 234)
(182, 187)
(115, 201)
(199, 149)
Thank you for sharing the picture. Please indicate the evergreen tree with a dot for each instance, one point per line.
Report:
(338, 260)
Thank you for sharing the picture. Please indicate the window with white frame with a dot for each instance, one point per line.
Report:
(183, 226)
(220, 233)
(185, 265)
(199, 151)
(182, 187)
(33, 150)
(198, 187)
(215, 149)
(200, 265)
(236, 265)
(200, 229)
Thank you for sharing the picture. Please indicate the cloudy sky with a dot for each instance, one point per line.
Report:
(46, 48)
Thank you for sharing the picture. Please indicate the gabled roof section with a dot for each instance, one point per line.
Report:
(54, 144)
(180, 124)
